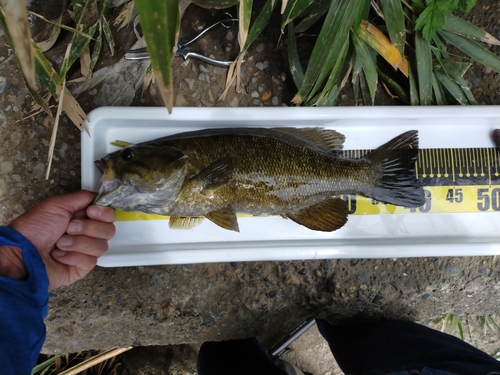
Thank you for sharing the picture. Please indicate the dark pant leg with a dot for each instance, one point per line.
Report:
(384, 347)
(245, 357)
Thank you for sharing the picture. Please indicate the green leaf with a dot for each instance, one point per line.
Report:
(79, 44)
(369, 67)
(96, 51)
(453, 68)
(431, 19)
(452, 87)
(395, 21)
(319, 10)
(260, 22)
(362, 7)
(293, 9)
(414, 99)
(460, 26)
(466, 6)
(424, 69)
(108, 35)
(293, 58)
(472, 49)
(394, 87)
(334, 32)
(466, 89)
(45, 72)
(160, 25)
(438, 91)
(44, 365)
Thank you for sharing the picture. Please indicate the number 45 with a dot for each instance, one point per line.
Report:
(454, 195)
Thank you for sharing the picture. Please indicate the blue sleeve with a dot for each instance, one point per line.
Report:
(23, 307)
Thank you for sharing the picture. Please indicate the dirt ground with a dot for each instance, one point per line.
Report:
(168, 311)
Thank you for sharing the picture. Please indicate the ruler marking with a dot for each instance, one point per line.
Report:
(452, 165)
(489, 165)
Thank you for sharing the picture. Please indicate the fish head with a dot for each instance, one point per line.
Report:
(146, 178)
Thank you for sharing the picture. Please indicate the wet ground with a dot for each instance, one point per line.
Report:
(188, 304)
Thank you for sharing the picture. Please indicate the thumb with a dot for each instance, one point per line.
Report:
(74, 202)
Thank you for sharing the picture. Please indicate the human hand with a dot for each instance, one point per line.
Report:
(69, 235)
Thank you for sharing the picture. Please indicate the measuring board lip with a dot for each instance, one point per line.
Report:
(429, 234)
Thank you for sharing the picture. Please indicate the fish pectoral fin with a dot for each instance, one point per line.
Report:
(225, 218)
(188, 222)
(327, 216)
(215, 175)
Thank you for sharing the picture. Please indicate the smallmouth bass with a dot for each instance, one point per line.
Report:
(297, 173)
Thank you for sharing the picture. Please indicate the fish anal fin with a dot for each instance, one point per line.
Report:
(326, 216)
(215, 175)
(326, 139)
(225, 218)
(188, 222)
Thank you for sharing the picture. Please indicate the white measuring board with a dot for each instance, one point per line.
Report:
(150, 242)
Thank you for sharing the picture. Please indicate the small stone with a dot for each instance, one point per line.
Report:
(409, 283)
(254, 94)
(201, 77)
(208, 320)
(21, 156)
(394, 285)
(272, 293)
(3, 83)
(374, 282)
(6, 166)
(318, 273)
(426, 296)
(189, 266)
(190, 82)
(378, 298)
(361, 276)
(219, 71)
(326, 264)
(363, 287)
(284, 267)
(245, 277)
(229, 35)
(234, 102)
(482, 270)
(256, 102)
(303, 271)
(234, 264)
(203, 69)
(118, 298)
(260, 88)
(260, 47)
(454, 270)
(275, 100)
(8, 108)
(16, 177)
(360, 295)
(283, 76)
(93, 92)
(259, 65)
(110, 290)
(254, 271)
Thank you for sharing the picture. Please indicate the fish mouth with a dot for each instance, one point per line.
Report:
(101, 166)
(108, 185)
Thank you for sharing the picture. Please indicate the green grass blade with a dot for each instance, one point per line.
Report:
(466, 89)
(454, 68)
(365, 90)
(394, 87)
(44, 365)
(438, 91)
(79, 44)
(472, 49)
(453, 88)
(160, 26)
(362, 7)
(369, 67)
(332, 36)
(293, 58)
(424, 68)
(395, 21)
(108, 36)
(96, 51)
(461, 27)
(414, 98)
(46, 72)
(260, 22)
(244, 16)
(319, 10)
(293, 9)
(439, 48)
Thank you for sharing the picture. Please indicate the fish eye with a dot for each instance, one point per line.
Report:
(127, 154)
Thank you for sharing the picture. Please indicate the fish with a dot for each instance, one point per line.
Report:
(297, 173)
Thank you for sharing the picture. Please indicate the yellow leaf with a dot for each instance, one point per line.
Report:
(380, 43)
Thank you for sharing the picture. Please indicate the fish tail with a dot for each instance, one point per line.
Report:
(394, 180)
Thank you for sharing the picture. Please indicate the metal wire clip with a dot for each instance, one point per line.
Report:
(142, 53)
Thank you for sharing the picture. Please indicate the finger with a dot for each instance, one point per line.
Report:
(100, 213)
(84, 263)
(73, 202)
(83, 244)
(496, 137)
(80, 214)
(91, 228)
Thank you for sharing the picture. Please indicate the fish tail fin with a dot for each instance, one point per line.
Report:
(394, 179)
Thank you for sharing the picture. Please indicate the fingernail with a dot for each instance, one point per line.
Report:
(75, 226)
(95, 211)
(65, 241)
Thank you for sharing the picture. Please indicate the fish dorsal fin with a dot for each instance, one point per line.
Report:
(325, 139)
(225, 218)
(326, 216)
(214, 176)
(178, 222)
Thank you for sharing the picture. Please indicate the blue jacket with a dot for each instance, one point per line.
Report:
(23, 307)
